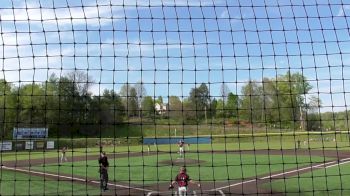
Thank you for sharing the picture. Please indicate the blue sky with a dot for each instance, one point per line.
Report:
(179, 44)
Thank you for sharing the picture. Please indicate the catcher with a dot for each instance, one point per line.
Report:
(182, 180)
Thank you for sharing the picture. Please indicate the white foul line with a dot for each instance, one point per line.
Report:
(337, 164)
(71, 178)
(152, 192)
(239, 183)
(297, 170)
(330, 164)
(172, 193)
(221, 192)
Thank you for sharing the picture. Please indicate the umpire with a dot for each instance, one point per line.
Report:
(103, 162)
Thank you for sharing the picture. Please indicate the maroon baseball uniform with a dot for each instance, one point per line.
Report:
(182, 179)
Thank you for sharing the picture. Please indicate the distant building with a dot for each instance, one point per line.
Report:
(160, 108)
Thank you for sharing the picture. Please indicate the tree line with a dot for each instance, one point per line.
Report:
(66, 106)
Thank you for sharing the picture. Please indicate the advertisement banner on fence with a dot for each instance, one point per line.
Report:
(5, 146)
(40, 145)
(50, 145)
(26, 133)
(19, 146)
(29, 145)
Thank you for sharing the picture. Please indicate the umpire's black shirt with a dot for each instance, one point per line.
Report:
(103, 161)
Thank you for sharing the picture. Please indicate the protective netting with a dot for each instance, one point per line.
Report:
(250, 97)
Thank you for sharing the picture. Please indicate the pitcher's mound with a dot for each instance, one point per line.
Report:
(181, 162)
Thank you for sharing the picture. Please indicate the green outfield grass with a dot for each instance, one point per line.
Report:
(256, 141)
(258, 145)
(15, 183)
(217, 167)
(277, 145)
(331, 181)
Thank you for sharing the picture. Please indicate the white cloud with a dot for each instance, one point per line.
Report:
(94, 16)
(224, 14)
(191, 3)
(343, 9)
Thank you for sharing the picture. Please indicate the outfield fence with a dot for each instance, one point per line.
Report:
(336, 137)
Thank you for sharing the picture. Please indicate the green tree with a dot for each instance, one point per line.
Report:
(270, 101)
(159, 100)
(130, 100)
(111, 107)
(189, 113)
(148, 109)
(125, 91)
(212, 109)
(105, 112)
(279, 100)
(252, 102)
(336, 120)
(314, 104)
(224, 90)
(313, 122)
(52, 107)
(292, 88)
(31, 105)
(232, 105)
(200, 99)
(7, 108)
(313, 115)
(175, 107)
(141, 93)
(69, 103)
(220, 109)
(81, 80)
(132, 105)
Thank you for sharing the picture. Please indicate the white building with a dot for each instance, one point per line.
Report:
(160, 108)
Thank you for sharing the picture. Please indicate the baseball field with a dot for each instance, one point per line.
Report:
(278, 167)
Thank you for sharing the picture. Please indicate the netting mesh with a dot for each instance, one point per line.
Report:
(250, 97)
